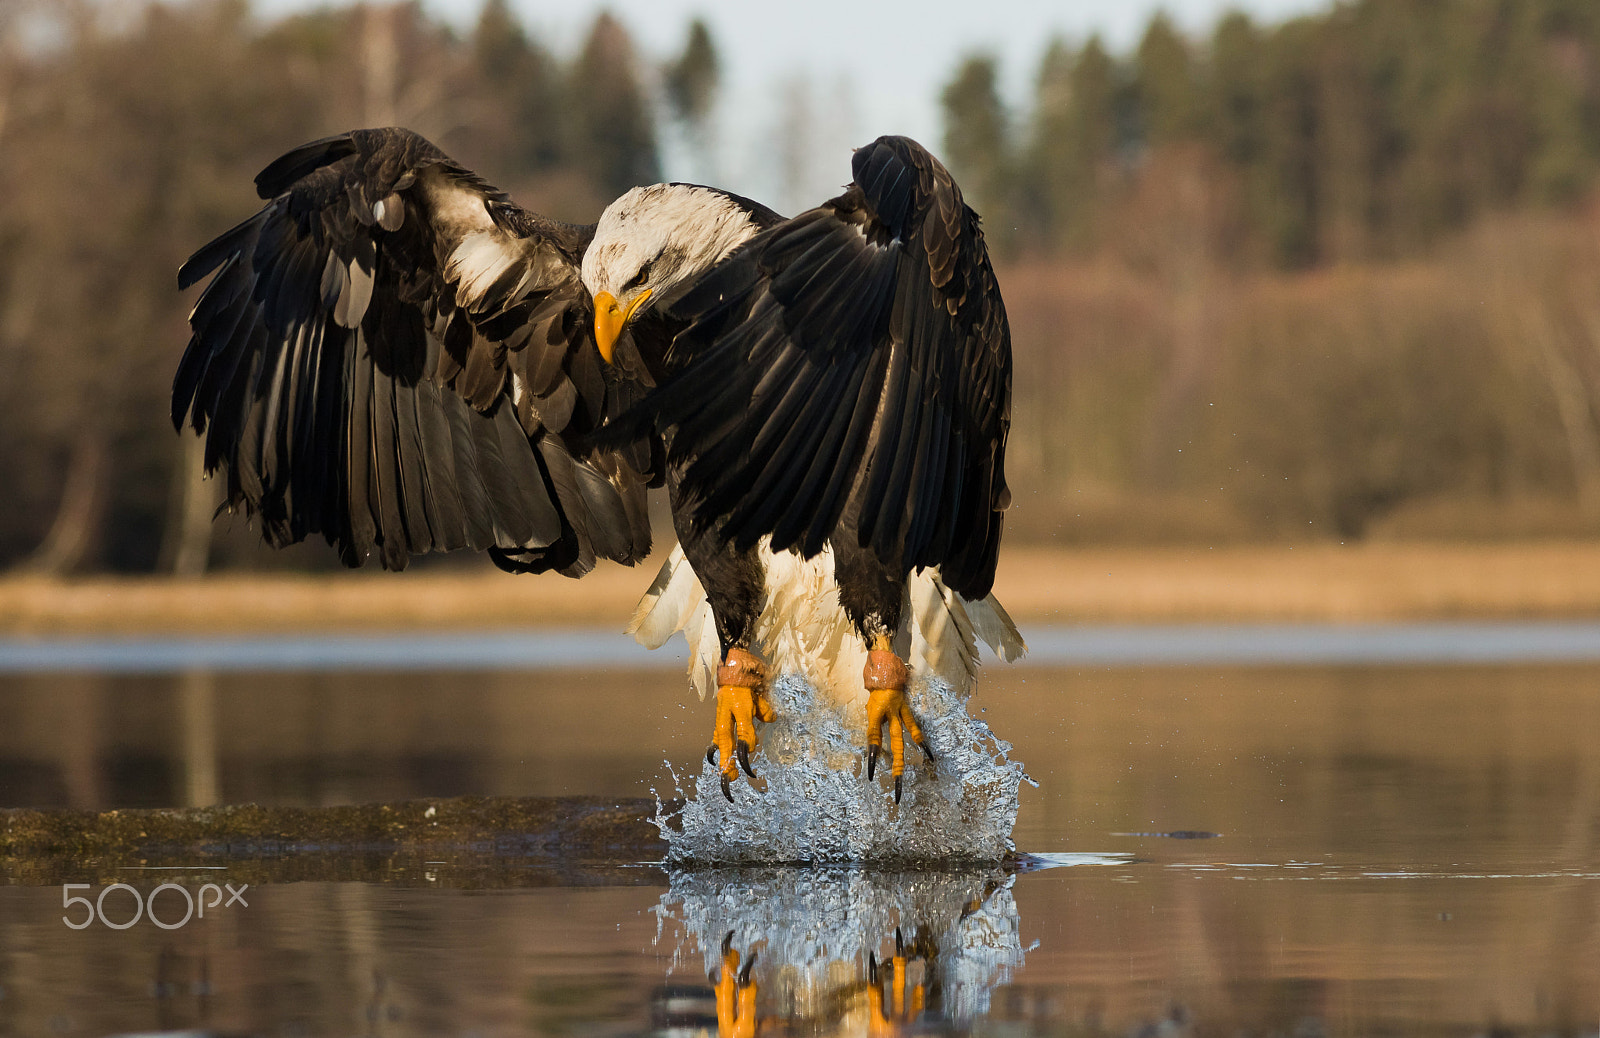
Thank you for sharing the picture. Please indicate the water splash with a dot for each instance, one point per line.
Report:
(818, 806)
(812, 930)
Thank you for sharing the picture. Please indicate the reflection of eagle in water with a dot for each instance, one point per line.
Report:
(394, 355)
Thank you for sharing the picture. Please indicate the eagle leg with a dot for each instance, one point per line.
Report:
(741, 701)
(885, 678)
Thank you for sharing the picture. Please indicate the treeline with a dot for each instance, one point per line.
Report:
(1364, 133)
(1338, 276)
(123, 147)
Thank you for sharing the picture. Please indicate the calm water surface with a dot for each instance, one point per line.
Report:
(1401, 850)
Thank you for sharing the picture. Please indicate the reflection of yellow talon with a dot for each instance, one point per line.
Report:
(736, 994)
(885, 678)
(902, 1009)
(741, 701)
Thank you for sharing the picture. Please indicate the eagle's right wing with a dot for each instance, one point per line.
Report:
(393, 355)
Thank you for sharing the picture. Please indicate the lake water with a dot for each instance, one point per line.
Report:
(1406, 841)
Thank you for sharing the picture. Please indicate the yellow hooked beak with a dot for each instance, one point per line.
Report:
(610, 317)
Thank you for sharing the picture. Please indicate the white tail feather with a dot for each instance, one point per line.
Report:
(666, 607)
(994, 625)
(705, 649)
(676, 602)
(803, 630)
(942, 643)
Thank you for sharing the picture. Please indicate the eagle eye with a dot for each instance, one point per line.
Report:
(639, 278)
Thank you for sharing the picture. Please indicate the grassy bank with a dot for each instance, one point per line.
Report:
(1317, 582)
(1393, 581)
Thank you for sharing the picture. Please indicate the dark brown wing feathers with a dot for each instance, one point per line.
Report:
(848, 372)
(390, 354)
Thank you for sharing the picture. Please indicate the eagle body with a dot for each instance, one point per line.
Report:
(801, 628)
(395, 356)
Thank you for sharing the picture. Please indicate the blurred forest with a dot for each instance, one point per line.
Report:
(1337, 277)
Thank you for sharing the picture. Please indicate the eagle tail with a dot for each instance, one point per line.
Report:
(946, 629)
(994, 626)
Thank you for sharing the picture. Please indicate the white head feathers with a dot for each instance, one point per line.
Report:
(667, 232)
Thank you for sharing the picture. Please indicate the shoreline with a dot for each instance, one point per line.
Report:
(1259, 584)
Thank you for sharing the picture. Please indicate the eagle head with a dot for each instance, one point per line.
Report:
(651, 240)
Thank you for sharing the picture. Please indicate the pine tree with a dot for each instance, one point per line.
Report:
(1165, 85)
(523, 76)
(1074, 144)
(691, 80)
(611, 135)
(1287, 192)
(691, 87)
(1566, 101)
(1235, 95)
(975, 146)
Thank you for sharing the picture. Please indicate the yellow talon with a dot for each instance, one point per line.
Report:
(885, 678)
(741, 701)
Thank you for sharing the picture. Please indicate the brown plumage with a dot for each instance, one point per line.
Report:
(393, 355)
(848, 373)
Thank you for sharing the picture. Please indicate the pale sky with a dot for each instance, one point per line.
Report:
(859, 68)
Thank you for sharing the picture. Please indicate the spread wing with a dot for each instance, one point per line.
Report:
(393, 355)
(850, 371)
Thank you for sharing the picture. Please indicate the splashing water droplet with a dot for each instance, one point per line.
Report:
(819, 807)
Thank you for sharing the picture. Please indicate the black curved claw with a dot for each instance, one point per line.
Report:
(926, 752)
(899, 943)
(872, 760)
(744, 758)
(727, 942)
(872, 968)
(897, 789)
(744, 974)
(711, 755)
(727, 790)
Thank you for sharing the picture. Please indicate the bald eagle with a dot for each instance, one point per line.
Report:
(394, 355)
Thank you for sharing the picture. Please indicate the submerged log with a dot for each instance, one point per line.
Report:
(555, 841)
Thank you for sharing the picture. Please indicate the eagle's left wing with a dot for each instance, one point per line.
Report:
(850, 369)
